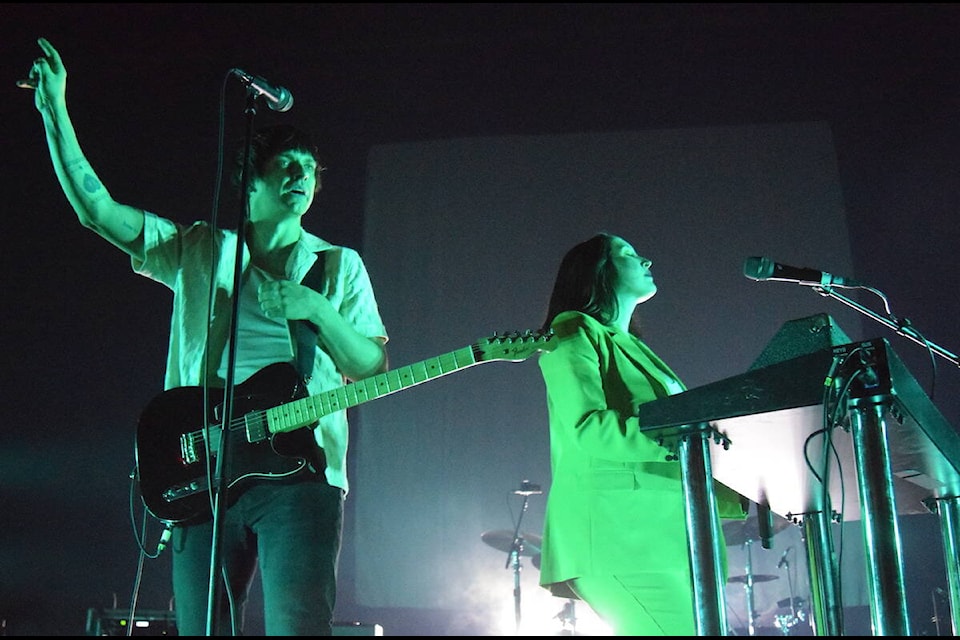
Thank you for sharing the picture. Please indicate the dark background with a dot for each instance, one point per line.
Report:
(84, 341)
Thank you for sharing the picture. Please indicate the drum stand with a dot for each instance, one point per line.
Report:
(749, 580)
(519, 544)
(513, 559)
(786, 622)
(568, 616)
(748, 589)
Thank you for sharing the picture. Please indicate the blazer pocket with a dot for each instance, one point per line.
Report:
(608, 480)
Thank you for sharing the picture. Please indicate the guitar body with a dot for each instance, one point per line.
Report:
(175, 486)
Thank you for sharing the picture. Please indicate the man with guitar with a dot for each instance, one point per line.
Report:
(307, 321)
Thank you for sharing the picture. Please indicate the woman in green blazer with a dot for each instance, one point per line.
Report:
(614, 533)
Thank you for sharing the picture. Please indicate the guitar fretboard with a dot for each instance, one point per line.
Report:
(300, 413)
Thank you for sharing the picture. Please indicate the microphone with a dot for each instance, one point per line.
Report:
(783, 558)
(767, 269)
(527, 488)
(278, 98)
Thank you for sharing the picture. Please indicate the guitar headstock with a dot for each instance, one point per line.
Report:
(515, 346)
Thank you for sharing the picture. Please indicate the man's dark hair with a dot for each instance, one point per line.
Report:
(267, 143)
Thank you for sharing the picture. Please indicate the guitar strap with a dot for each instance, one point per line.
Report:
(306, 335)
(305, 332)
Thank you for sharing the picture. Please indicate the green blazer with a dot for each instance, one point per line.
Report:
(615, 504)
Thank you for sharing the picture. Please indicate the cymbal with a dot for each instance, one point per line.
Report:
(757, 577)
(736, 532)
(502, 539)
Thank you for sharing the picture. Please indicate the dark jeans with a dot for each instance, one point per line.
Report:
(293, 529)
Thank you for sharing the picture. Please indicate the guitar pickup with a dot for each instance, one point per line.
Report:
(255, 424)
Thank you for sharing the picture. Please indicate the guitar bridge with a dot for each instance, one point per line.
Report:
(191, 446)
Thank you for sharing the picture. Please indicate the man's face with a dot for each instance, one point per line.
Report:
(287, 187)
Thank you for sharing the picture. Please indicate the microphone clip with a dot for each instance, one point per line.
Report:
(277, 98)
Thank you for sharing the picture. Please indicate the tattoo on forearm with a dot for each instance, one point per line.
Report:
(88, 182)
(77, 165)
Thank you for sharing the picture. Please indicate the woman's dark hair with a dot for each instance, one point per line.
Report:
(267, 143)
(586, 282)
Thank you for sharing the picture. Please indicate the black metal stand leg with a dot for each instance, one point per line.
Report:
(948, 510)
(701, 509)
(880, 527)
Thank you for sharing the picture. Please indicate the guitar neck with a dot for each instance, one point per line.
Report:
(300, 413)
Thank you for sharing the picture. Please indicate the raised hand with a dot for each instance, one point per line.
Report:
(47, 76)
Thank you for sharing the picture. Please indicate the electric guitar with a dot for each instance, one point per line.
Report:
(269, 437)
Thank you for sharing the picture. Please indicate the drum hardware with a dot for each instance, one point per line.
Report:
(516, 543)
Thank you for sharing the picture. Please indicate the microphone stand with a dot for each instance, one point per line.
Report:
(513, 558)
(902, 327)
(219, 486)
(885, 580)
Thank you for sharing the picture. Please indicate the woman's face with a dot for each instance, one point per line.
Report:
(633, 271)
